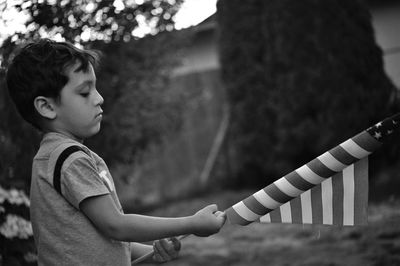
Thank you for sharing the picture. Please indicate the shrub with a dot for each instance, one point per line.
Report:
(16, 236)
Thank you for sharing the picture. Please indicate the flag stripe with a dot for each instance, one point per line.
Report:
(235, 218)
(286, 214)
(361, 192)
(245, 212)
(354, 149)
(316, 202)
(295, 205)
(266, 200)
(311, 177)
(327, 208)
(331, 162)
(255, 206)
(320, 169)
(296, 180)
(287, 187)
(306, 207)
(348, 195)
(337, 199)
(343, 156)
(276, 216)
(266, 218)
(275, 193)
(366, 141)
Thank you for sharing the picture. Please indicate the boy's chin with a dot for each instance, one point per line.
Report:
(96, 130)
(93, 133)
(90, 133)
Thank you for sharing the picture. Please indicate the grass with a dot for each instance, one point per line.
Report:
(301, 245)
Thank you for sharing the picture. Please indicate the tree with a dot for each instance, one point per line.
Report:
(301, 77)
(81, 21)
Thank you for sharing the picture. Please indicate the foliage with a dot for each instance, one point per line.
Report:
(19, 142)
(88, 20)
(301, 77)
(16, 236)
(139, 106)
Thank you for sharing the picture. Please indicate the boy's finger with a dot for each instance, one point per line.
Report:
(169, 247)
(176, 243)
(161, 248)
(157, 257)
(220, 214)
(213, 208)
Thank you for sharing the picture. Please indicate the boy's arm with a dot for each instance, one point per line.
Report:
(104, 214)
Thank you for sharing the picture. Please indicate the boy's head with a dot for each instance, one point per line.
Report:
(40, 69)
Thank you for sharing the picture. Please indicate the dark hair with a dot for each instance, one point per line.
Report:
(38, 69)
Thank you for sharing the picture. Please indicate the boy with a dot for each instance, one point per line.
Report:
(53, 86)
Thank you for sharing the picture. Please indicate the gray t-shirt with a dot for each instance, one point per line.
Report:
(63, 234)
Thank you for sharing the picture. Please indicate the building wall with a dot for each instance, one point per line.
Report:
(386, 22)
(202, 55)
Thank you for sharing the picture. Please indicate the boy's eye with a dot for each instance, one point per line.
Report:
(84, 94)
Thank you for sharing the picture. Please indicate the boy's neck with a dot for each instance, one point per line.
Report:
(66, 135)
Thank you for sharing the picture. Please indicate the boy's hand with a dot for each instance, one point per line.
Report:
(166, 249)
(208, 221)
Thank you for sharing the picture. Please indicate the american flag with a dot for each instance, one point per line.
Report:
(331, 189)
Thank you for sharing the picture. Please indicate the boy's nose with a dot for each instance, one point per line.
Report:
(99, 98)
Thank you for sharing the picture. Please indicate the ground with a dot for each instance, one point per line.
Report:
(301, 245)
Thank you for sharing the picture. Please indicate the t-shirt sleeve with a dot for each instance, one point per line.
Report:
(80, 180)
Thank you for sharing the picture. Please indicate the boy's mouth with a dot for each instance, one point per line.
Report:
(99, 114)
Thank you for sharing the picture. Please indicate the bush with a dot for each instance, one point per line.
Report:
(16, 236)
(301, 77)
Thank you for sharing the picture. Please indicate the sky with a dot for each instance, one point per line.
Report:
(191, 13)
(194, 12)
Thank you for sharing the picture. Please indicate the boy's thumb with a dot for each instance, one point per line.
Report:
(221, 215)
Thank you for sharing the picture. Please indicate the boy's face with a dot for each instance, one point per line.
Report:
(79, 113)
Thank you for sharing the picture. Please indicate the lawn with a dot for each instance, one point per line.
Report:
(278, 244)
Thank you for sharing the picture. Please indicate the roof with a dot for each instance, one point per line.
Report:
(209, 23)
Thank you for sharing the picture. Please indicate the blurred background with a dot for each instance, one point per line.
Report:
(207, 102)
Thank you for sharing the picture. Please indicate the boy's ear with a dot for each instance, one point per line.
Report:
(45, 107)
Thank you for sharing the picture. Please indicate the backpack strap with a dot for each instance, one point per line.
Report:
(59, 163)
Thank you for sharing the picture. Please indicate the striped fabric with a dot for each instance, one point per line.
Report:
(338, 200)
(338, 174)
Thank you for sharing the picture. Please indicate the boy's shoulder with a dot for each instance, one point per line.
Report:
(54, 143)
(51, 153)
